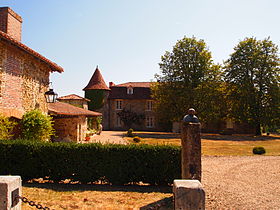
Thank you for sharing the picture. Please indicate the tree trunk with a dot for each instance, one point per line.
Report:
(258, 129)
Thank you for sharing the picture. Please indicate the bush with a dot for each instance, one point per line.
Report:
(258, 150)
(136, 139)
(37, 126)
(6, 127)
(130, 133)
(116, 164)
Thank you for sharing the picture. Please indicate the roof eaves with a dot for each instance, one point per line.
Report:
(54, 66)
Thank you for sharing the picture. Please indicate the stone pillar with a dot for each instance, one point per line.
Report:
(188, 195)
(10, 188)
(191, 151)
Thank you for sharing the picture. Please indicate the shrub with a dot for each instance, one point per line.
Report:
(258, 150)
(130, 133)
(37, 126)
(6, 127)
(136, 139)
(116, 164)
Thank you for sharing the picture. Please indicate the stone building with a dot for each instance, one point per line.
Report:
(132, 96)
(75, 100)
(70, 122)
(24, 73)
(24, 79)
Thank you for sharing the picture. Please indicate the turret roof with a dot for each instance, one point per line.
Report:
(96, 82)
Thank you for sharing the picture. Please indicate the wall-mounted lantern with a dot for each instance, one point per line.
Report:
(50, 96)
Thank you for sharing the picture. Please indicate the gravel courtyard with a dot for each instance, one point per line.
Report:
(242, 182)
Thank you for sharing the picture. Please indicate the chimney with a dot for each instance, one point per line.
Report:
(10, 23)
(111, 84)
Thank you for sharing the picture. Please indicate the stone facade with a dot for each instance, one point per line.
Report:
(70, 128)
(140, 107)
(24, 80)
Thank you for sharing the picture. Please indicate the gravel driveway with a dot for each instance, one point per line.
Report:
(243, 182)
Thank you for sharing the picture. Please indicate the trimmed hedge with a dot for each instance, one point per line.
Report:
(116, 164)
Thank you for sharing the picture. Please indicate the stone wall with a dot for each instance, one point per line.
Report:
(70, 128)
(24, 80)
(137, 106)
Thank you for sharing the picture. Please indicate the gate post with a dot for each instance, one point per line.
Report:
(10, 189)
(191, 151)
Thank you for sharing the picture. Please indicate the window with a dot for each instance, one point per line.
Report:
(118, 121)
(229, 123)
(130, 90)
(119, 104)
(149, 122)
(149, 105)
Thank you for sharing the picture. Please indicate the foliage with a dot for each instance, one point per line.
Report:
(258, 150)
(129, 117)
(96, 97)
(117, 164)
(6, 127)
(188, 79)
(136, 139)
(253, 83)
(130, 132)
(94, 123)
(37, 126)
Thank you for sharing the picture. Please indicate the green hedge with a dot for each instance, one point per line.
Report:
(116, 164)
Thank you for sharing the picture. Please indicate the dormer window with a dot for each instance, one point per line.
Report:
(130, 90)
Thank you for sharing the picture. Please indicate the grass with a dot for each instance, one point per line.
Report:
(69, 196)
(218, 145)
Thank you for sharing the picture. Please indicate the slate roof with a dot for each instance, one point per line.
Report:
(73, 97)
(9, 39)
(141, 90)
(59, 108)
(96, 82)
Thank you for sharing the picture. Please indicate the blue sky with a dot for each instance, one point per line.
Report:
(126, 38)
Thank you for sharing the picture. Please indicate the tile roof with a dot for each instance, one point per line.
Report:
(141, 90)
(135, 84)
(96, 82)
(72, 97)
(53, 66)
(59, 108)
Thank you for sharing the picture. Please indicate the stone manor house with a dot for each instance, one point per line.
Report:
(24, 80)
(131, 96)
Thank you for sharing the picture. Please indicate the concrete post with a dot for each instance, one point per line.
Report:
(191, 151)
(188, 195)
(10, 188)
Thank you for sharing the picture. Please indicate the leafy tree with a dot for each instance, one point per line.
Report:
(252, 76)
(37, 126)
(129, 117)
(188, 78)
(6, 127)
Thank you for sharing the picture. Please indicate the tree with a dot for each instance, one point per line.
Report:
(37, 126)
(252, 76)
(129, 117)
(188, 78)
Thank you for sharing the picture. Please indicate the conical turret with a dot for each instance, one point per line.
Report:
(96, 82)
(96, 91)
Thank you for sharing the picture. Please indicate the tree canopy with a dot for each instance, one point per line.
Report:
(188, 78)
(252, 75)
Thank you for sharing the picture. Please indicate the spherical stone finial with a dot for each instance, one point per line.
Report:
(190, 117)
